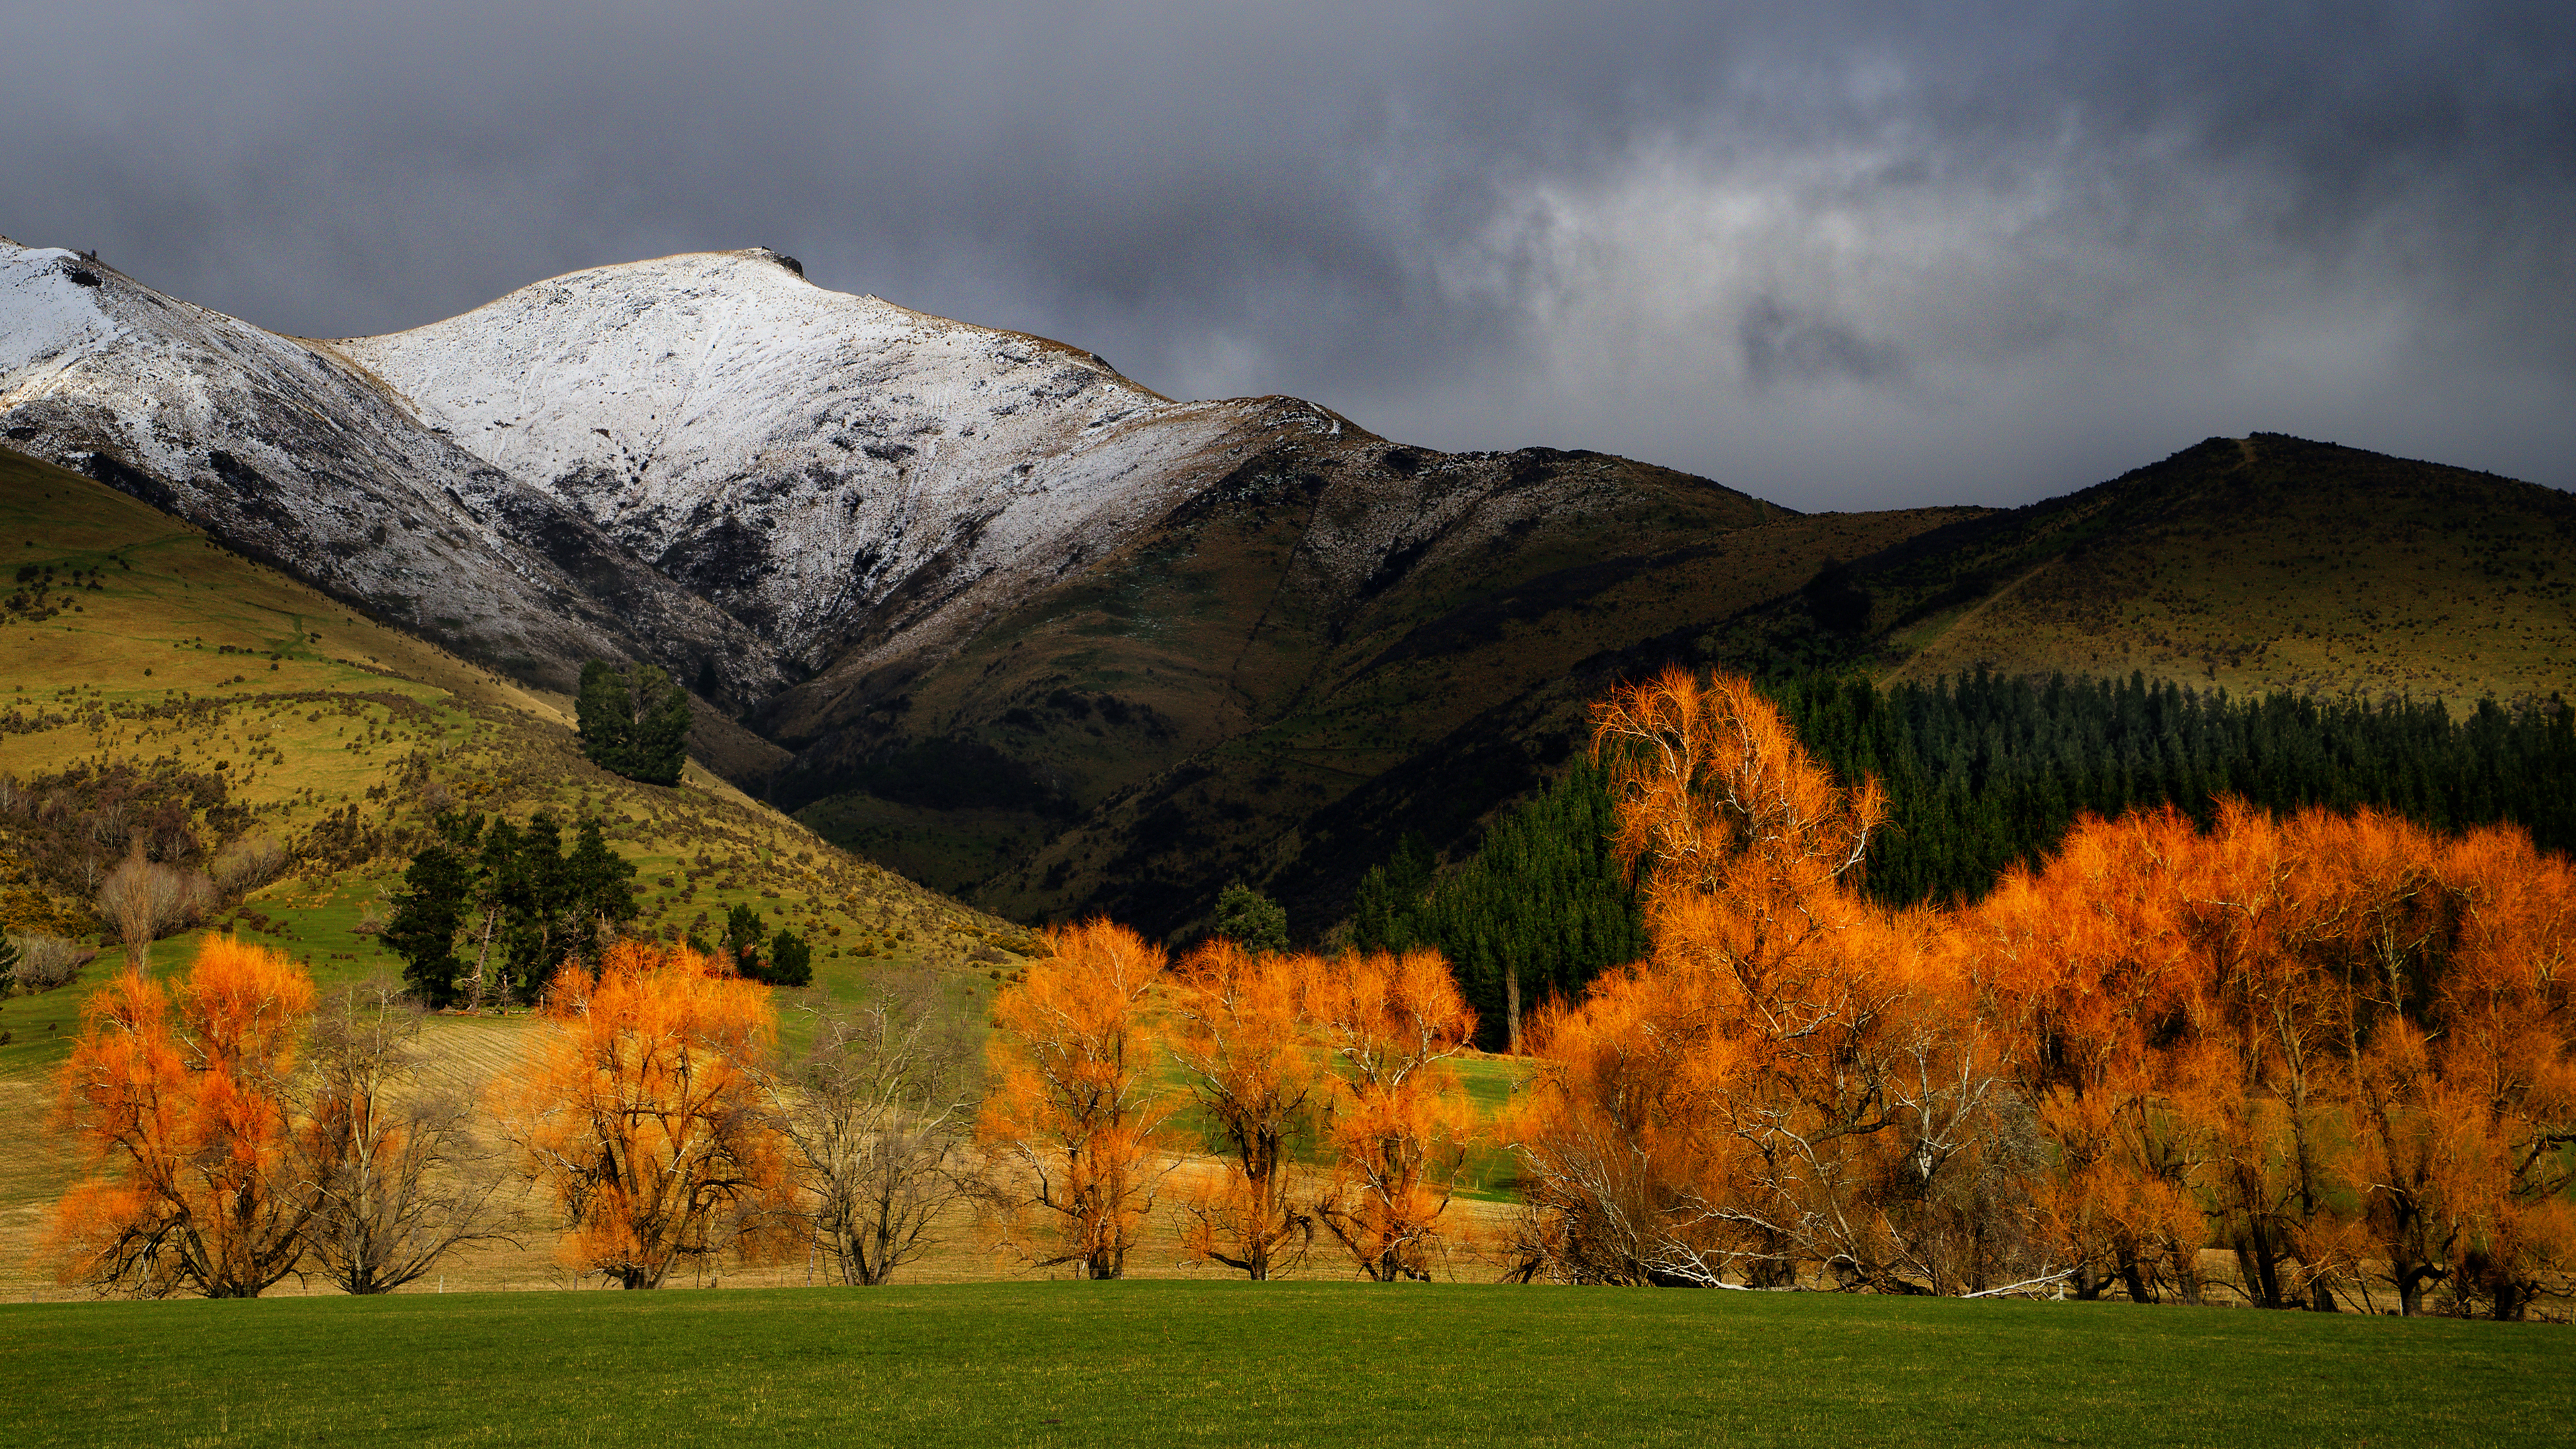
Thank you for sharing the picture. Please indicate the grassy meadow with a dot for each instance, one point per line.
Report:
(1261, 1364)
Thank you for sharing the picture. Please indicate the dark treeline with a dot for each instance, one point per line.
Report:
(1982, 772)
(1541, 909)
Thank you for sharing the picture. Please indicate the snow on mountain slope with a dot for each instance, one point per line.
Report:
(282, 448)
(836, 471)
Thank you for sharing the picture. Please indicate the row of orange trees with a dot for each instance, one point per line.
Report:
(232, 1134)
(2340, 1049)
(236, 1130)
(1327, 1087)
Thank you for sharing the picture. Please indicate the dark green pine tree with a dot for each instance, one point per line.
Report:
(601, 887)
(604, 717)
(538, 898)
(1385, 914)
(662, 720)
(491, 902)
(633, 722)
(1542, 908)
(436, 899)
(491, 911)
(791, 961)
(742, 940)
(1250, 919)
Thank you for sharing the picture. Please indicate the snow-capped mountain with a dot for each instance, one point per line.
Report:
(583, 466)
(286, 449)
(1010, 611)
(831, 469)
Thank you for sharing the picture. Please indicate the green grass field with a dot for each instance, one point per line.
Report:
(1239, 1363)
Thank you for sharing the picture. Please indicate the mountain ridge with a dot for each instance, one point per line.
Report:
(1036, 633)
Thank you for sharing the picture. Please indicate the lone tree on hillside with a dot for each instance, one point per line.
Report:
(1250, 919)
(634, 722)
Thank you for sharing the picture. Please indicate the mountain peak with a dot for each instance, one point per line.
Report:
(794, 453)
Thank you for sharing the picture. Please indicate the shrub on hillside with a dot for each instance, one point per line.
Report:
(45, 962)
(143, 900)
(247, 864)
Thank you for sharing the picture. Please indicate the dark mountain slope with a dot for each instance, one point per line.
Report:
(1281, 673)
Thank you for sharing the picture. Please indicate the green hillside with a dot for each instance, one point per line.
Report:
(2253, 565)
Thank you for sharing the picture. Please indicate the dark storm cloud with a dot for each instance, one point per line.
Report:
(1840, 255)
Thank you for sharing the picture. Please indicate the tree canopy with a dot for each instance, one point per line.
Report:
(1249, 919)
(633, 721)
(489, 909)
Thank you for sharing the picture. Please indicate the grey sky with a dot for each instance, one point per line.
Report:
(1838, 255)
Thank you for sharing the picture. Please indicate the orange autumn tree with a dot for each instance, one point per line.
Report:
(1074, 1119)
(2337, 1046)
(1793, 1079)
(1666, 1134)
(1237, 1032)
(179, 1100)
(1400, 1121)
(2464, 1088)
(639, 1108)
(2078, 965)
